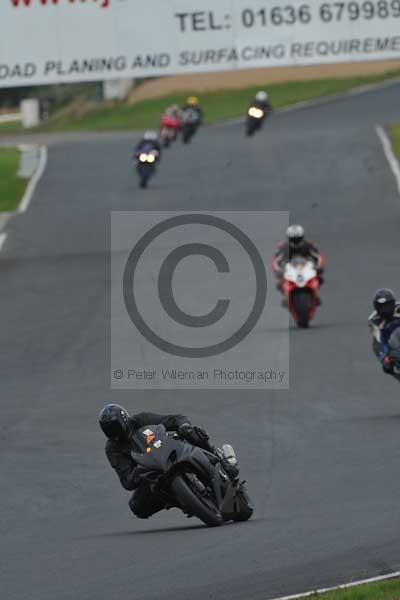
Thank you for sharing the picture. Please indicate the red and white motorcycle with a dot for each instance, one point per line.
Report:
(300, 285)
(169, 129)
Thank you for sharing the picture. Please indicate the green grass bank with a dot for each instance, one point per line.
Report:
(12, 187)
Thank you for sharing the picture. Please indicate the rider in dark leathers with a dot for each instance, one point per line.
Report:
(119, 428)
(192, 103)
(262, 101)
(148, 143)
(382, 323)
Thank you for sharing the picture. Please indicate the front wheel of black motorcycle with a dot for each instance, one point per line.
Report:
(302, 302)
(201, 506)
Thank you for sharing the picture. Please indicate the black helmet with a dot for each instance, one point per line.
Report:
(114, 421)
(384, 303)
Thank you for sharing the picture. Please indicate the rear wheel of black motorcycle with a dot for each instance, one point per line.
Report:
(203, 507)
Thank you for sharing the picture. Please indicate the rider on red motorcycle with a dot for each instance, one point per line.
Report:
(296, 245)
(171, 117)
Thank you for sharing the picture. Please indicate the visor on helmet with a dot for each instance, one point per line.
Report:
(385, 309)
(113, 429)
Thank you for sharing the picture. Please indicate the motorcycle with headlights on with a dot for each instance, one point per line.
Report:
(146, 166)
(255, 119)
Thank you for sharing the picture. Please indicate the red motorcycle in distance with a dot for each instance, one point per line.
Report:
(169, 129)
(300, 285)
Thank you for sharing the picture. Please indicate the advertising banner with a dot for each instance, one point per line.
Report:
(54, 41)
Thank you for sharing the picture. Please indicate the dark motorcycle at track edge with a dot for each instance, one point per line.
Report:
(394, 353)
(190, 123)
(255, 119)
(189, 478)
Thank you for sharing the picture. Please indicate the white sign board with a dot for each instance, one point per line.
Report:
(52, 41)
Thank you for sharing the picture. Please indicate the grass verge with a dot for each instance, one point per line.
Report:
(12, 187)
(11, 127)
(388, 589)
(394, 132)
(218, 106)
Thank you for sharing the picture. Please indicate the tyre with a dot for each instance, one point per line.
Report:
(251, 126)
(191, 500)
(144, 175)
(243, 515)
(249, 130)
(302, 303)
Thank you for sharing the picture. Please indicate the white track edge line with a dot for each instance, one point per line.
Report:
(388, 150)
(3, 237)
(34, 181)
(341, 587)
(10, 118)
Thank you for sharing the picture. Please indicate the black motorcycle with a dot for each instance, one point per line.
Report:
(190, 124)
(255, 119)
(394, 352)
(189, 478)
(146, 166)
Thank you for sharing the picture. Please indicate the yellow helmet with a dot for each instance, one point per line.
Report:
(192, 100)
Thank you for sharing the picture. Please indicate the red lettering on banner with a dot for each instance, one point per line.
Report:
(17, 3)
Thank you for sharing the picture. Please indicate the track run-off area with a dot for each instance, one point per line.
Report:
(321, 460)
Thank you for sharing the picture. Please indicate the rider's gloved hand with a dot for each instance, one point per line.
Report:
(195, 435)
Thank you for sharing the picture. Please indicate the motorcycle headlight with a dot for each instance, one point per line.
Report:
(257, 113)
(143, 157)
(151, 158)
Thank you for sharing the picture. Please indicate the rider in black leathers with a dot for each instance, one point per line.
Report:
(192, 103)
(148, 143)
(119, 427)
(262, 101)
(382, 323)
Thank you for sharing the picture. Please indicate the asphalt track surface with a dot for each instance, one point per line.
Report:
(322, 461)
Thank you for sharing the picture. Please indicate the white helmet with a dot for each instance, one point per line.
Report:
(261, 96)
(295, 235)
(150, 136)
